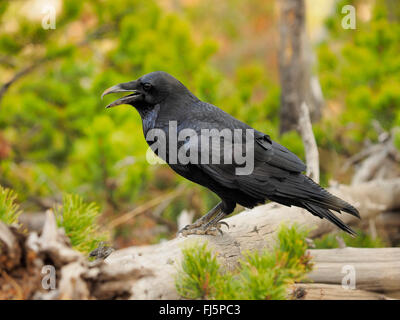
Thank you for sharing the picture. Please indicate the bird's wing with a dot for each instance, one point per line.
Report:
(272, 163)
(276, 155)
(267, 151)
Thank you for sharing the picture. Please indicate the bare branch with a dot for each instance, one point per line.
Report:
(310, 145)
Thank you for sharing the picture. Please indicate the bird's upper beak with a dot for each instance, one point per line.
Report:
(131, 86)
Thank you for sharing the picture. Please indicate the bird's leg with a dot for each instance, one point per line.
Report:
(204, 219)
(215, 224)
(210, 227)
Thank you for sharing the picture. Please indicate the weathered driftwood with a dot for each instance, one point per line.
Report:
(374, 269)
(22, 258)
(377, 161)
(251, 230)
(10, 252)
(322, 291)
(148, 272)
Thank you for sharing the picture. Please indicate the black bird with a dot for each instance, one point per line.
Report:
(277, 175)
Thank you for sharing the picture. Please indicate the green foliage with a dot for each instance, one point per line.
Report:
(80, 222)
(359, 71)
(263, 275)
(397, 139)
(363, 240)
(200, 271)
(9, 210)
(62, 138)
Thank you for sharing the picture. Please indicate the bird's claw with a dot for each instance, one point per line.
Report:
(200, 231)
(224, 223)
(211, 231)
(188, 227)
(219, 225)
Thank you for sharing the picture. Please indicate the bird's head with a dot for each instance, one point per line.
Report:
(148, 90)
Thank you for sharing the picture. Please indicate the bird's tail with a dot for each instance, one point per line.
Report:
(322, 212)
(311, 196)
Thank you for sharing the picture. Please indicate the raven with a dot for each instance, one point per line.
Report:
(276, 173)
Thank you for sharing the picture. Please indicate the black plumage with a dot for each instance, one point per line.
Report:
(160, 98)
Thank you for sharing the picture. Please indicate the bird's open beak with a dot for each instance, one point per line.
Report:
(123, 87)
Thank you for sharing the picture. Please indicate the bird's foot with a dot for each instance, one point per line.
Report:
(189, 227)
(200, 231)
(210, 230)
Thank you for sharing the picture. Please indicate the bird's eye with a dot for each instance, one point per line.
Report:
(146, 86)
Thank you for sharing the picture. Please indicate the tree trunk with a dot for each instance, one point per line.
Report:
(295, 64)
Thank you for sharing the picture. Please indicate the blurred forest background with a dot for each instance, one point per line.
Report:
(56, 138)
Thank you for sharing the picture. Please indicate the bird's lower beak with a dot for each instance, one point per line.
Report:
(123, 87)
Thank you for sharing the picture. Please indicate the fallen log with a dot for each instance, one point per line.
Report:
(372, 269)
(377, 161)
(375, 271)
(148, 272)
(29, 263)
(322, 291)
(77, 278)
(250, 230)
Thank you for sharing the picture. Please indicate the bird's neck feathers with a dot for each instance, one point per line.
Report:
(149, 114)
(174, 107)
